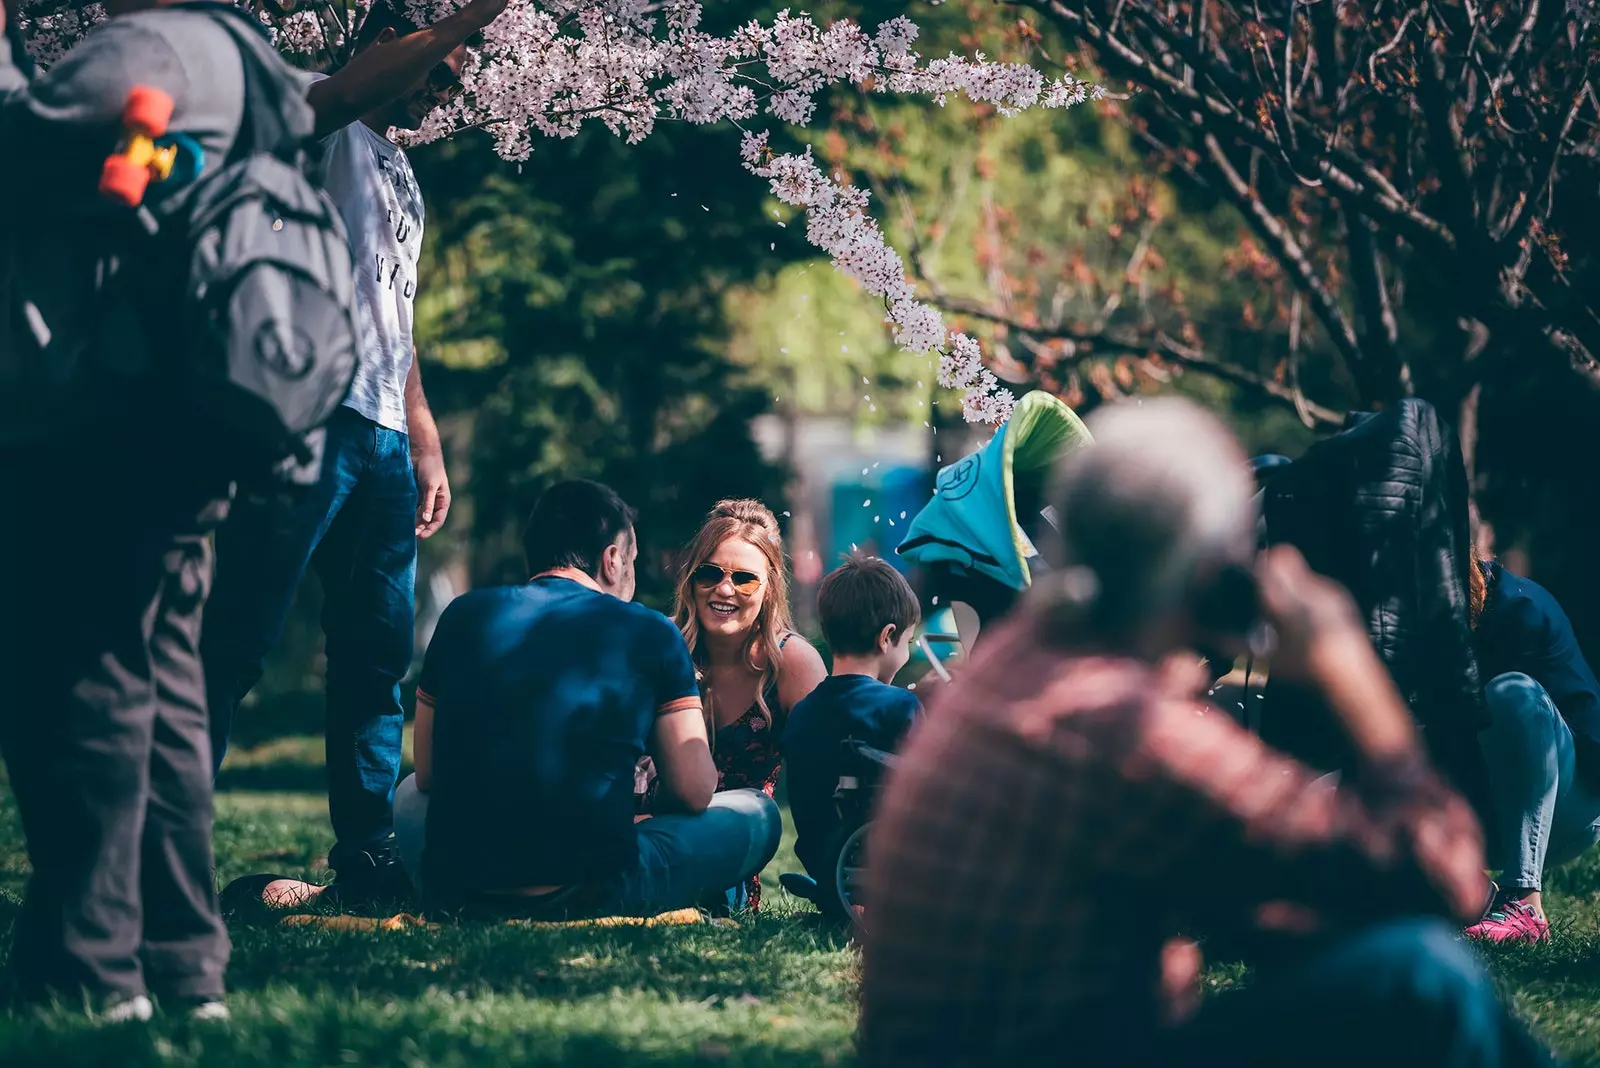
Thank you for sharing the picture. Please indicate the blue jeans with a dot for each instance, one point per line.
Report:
(357, 527)
(1544, 815)
(1402, 993)
(682, 859)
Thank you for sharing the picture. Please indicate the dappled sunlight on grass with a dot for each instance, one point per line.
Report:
(777, 988)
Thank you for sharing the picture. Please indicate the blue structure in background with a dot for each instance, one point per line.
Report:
(896, 494)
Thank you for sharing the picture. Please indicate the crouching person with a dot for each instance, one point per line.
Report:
(1070, 815)
(1542, 746)
(535, 705)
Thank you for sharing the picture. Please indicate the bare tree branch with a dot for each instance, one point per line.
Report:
(1287, 251)
(1381, 330)
(1090, 345)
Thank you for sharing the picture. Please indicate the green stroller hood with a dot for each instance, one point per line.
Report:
(971, 523)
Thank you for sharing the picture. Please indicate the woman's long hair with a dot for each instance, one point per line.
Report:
(1477, 577)
(1477, 584)
(753, 522)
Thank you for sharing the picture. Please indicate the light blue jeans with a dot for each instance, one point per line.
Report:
(1544, 816)
(682, 859)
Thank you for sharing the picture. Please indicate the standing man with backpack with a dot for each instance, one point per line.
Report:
(383, 482)
(122, 480)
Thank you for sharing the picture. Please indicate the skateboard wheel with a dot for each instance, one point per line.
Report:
(124, 181)
(147, 110)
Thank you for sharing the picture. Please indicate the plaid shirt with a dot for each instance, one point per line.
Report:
(1058, 822)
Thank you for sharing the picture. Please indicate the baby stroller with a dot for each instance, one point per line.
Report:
(975, 540)
(863, 770)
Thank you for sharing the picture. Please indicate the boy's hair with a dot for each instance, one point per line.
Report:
(858, 599)
(572, 525)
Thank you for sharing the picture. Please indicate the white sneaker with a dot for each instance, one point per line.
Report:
(210, 1012)
(137, 1008)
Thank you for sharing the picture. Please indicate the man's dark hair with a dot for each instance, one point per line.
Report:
(572, 524)
(384, 16)
(858, 599)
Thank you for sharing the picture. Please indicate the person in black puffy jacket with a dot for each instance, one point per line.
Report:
(1382, 507)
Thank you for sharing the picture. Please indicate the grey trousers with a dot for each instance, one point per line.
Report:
(107, 565)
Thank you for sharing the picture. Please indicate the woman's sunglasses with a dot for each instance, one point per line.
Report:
(710, 576)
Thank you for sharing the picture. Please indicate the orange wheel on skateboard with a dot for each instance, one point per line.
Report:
(124, 181)
(147, 110)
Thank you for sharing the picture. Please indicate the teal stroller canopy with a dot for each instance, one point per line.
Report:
(971, 524)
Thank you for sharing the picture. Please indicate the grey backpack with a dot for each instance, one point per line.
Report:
(243, 295)
(268, 313)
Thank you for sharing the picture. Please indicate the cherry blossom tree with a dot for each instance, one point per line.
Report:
(1413, 184)
(546, 69)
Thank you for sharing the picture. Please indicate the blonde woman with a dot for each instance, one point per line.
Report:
(732, 605)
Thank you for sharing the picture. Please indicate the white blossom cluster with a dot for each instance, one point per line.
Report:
(547, 66)
(49, 33)
(837, 222)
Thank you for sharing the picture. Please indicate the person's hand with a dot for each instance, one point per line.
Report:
(1314, 620)
(479, 12)
(1321, 641)
(433, 492)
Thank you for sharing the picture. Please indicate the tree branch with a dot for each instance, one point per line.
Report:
(1371, 191)
(1379, 326)
(1091, 344)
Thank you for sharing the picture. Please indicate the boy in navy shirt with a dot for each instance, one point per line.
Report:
(868, 612)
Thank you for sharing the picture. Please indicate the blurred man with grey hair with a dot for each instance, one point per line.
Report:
(1070, 815)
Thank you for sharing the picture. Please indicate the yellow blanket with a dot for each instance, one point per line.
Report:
(676, 918)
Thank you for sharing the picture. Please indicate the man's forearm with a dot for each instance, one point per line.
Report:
(379, 76)
(420, 425)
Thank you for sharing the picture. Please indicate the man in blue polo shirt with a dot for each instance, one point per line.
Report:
(1542, 746)
(535, 705)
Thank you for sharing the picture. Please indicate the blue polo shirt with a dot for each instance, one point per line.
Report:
(1524, 629)
(544, 697)
(842, 706)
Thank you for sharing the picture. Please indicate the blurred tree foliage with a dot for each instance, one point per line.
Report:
(571, 313)
(622, 312)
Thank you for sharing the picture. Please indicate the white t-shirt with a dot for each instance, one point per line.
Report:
(370, 179)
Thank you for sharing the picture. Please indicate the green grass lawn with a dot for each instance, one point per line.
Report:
(777, 989)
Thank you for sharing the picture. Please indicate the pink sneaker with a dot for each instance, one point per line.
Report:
(1511, 921)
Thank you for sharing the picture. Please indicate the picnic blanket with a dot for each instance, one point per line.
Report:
(971, 522)
(405, 921)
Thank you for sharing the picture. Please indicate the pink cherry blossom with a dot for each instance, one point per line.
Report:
(548, 67)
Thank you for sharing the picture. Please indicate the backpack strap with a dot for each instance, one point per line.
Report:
(265, 125)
